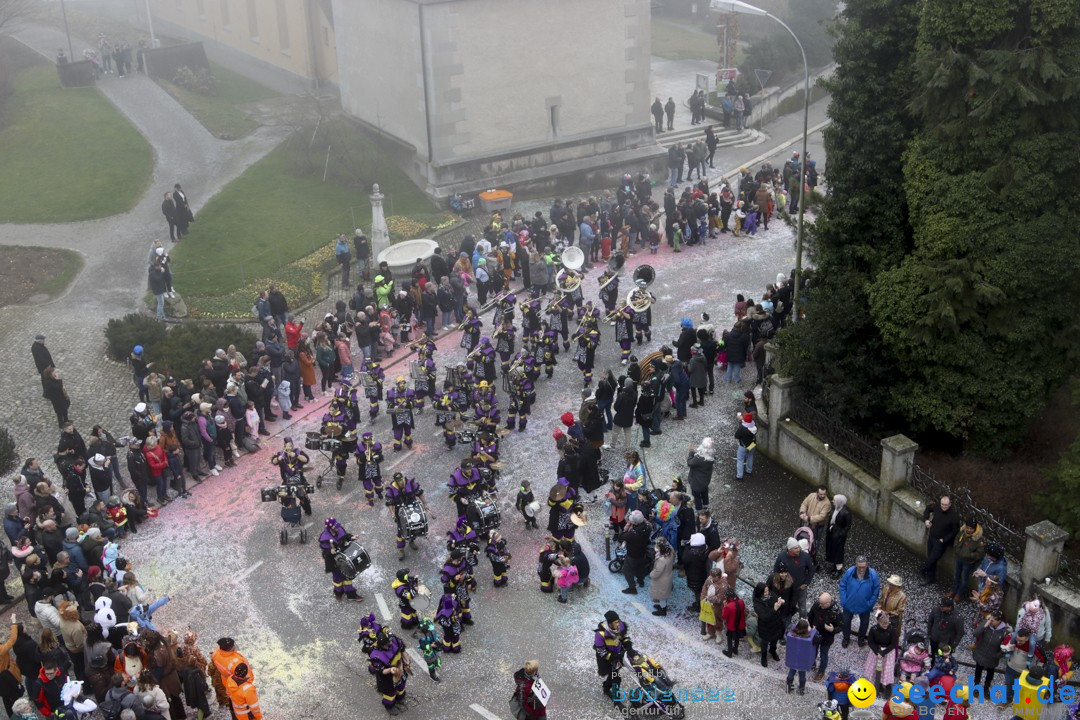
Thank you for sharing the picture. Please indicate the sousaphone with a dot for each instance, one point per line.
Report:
(614, 267)
(568, 279)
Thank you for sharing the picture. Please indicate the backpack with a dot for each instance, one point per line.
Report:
(111, 708)
(766, 329)
(572, 575)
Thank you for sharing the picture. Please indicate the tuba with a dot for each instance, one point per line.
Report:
(568, 279)
(639, 299)
(614, 268)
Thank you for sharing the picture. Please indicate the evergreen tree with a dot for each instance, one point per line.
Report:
(836, 353)
(980, 317)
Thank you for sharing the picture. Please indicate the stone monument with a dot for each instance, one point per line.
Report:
(479, 94)
(380, 234)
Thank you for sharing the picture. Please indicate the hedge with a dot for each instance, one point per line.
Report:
(178, 351)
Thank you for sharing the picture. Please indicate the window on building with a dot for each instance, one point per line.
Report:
(553, 113)
(200, 6)
(253, 21)
(226, 21)
(282, 26)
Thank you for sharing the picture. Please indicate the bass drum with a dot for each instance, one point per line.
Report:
(412, 519)
(353, 560)
(483, 513)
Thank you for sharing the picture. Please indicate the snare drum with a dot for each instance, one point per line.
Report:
(482, 512)
(313, 441)
(412, 519)
(467, 433)
(353, 560)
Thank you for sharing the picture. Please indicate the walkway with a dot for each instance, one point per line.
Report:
(113, 281)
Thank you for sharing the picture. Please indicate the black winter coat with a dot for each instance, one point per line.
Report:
(944, 628)
(644, 409)
(636, 539)
(770, 623)
(701, 472)
(624, 407)
(686, 340)
(696, 564)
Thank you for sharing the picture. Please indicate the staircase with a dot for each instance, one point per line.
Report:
(726, 138)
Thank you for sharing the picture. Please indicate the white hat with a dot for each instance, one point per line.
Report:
(792, 543)
(141, 407)
(159, 251)
(697, 540)
(98, 461)
(804, 544)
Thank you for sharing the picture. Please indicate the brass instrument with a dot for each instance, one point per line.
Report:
(568, 279)
(557, 302)
(494, 301)
(469, 316)
(615, 265)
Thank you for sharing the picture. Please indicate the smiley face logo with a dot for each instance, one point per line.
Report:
(862, 693)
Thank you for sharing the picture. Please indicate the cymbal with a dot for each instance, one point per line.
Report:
(503, 432)
(334, 430)
(497, 465)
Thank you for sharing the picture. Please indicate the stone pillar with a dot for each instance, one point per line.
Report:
(380, 234)
(897, 457)
(1045, 541)
(781, 396)
(771, 351)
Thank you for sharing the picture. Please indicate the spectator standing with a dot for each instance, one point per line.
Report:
(43, 359)
(799, 654)
(836, 532)
(799, 565)
(969, 548)
(363, 252)
(746, 436)
(859, 591)
(701, 462)
(344, 258)
(942, 524)
(669, 109)
(825, 618)
(53, 389)
(814, 512)
(944, 626)
(168, 209)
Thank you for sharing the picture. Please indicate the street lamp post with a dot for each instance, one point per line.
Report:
(736, 6)
(71, 51)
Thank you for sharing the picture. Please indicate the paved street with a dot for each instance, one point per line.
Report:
(217, 554)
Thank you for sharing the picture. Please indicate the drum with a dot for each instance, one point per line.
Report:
(483, 513)
(313, 441)
(402, 417)
(412, 519)
(347, 444)
(353, 560)
(442, 417)
(467, 433)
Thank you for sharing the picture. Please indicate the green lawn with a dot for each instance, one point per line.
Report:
(679, 42)
(280, 210)
(65, 154)
(223, 112)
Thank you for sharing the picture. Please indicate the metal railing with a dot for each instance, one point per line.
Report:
(994, 528)
(860, 450)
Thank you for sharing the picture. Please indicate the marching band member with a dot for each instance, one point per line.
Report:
(624, 331)
(335, 424)
(448, 617)
(643, 324)
(464, 483)
(609, 294)
(486, 406)
(403, 491)
(446, 407)
(390, 665)
(588, 339)
(505, 346)
(549, 347)
(522, 396)
(487, 359)
(369, 457)
(335, 538)
(406, 588)
(561, 311)
(486, 447)
(374, 369)
(472, 326)
(499, 557)
(530, 315)
(455, 575)
(426, 360)
(401, 399)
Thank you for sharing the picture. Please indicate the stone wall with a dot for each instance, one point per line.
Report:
(894, 507)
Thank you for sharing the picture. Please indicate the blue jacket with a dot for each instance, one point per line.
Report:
(13, 527)
(858, 596)
(998, 569)
(78, 559)
(839, 694)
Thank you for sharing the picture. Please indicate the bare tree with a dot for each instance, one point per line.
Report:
(12, 11)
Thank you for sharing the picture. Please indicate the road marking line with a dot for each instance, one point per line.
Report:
(484, 712)
(383, 609)
(395, 463)
(345, 498)
(247, 572)
(307, 525)
(418, 659)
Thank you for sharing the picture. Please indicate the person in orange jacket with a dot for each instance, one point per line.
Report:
(243, 695)
(226, 659)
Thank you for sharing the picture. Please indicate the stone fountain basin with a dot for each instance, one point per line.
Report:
(401, 256)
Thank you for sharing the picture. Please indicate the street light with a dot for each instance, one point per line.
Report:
(736, 6)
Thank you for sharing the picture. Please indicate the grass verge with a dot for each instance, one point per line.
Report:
(65, 154)
(679, 42)
(279, 219)
(28, 273)
(222, 113)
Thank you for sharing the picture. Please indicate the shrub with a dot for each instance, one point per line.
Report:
(178, 351)
(186, 346)
(199, 81)
(8, 459)
(121, 335)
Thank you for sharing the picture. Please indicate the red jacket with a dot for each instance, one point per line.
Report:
(292, 334)
(734, 615)
(156, 460)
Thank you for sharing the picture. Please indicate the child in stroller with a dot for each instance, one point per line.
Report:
(916, 658)
(805, 536)
(653, 696)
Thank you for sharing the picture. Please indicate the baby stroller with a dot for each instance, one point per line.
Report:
(807, 534)
(616, 563)
(653, 696)
(291, 517)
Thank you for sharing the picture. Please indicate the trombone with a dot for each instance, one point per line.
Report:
(556, 303)
(494, 301)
